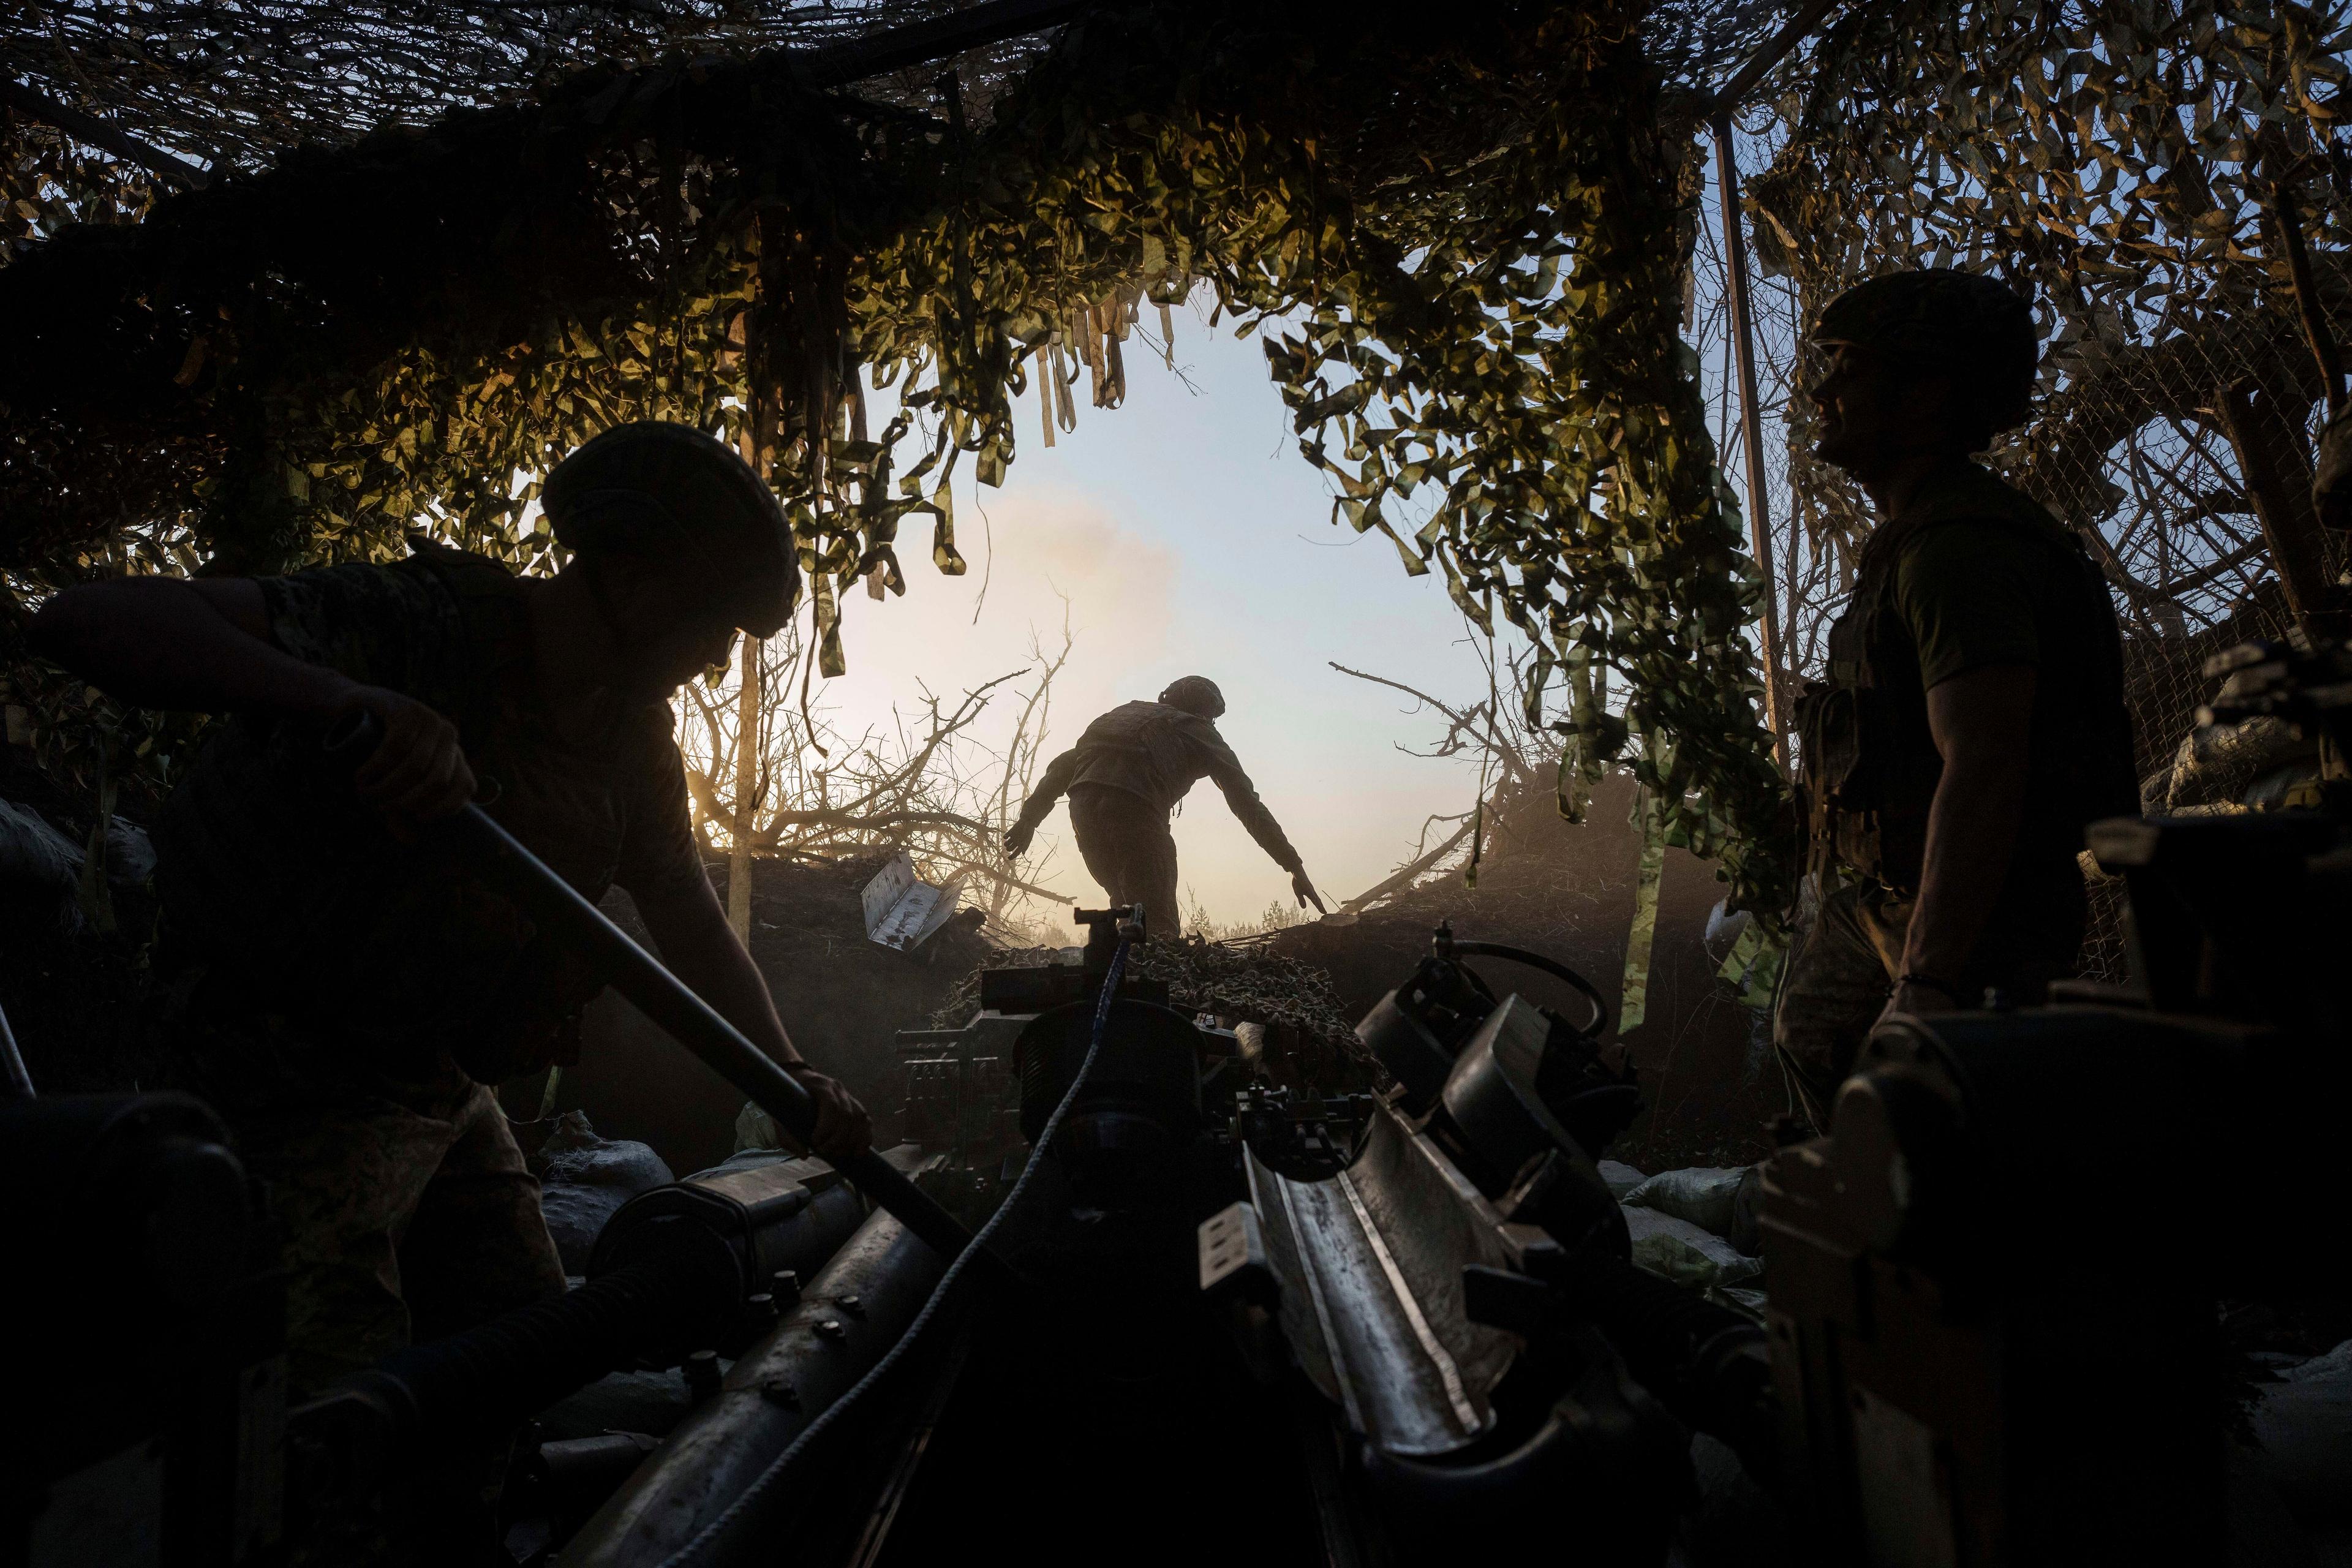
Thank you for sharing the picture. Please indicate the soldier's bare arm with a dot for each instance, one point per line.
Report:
(1979, 722)
(1242, 797)
(161, 642)
(700, 949)
(206, 647)
(1051, 785)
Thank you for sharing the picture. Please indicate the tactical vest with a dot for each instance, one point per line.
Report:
(572, 824)
(1871, 766)
(284, 898)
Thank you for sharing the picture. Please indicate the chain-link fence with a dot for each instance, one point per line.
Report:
(2145, 173)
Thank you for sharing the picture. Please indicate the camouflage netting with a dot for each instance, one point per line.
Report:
(2143, 173)
(1466, 245)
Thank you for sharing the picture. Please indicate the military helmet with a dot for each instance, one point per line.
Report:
(1195, 694)
(1946, 320)
(662, 491)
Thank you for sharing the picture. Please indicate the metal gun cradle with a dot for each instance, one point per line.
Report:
(1238, 1317)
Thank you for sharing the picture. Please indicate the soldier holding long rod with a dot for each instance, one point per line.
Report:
(348, 991)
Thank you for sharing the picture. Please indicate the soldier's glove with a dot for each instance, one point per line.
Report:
(1306, 893)
(1016, 840)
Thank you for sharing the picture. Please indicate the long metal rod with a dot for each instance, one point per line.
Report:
(921, 43)
(99, 133)
(1751, 428)
(1792, 33)
(12, 1064)
(692, 1022)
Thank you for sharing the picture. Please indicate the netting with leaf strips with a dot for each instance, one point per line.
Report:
(2117, 163)
(232, 84)
(1465, 243)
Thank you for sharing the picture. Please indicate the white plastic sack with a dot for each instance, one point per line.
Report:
(755, 1129)
(1704, 1194)
(1621, 1178)
(585, 1178)
(1682, 1252)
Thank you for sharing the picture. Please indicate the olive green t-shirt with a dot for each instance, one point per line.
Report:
(295, 901)
(1972, 591)
(1983, 576)
(1974, 595)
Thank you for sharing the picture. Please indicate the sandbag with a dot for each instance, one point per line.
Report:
(583, 1178)
(1705, 1195)
(39, 866)
(2215, 764)
(1621, 1177)
(129, 854)
(1678, 1250)
(2304, 1425)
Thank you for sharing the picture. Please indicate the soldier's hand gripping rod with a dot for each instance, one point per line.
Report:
(660, 995)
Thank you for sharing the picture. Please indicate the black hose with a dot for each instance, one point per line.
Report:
(498, 1374)
(697, 1549)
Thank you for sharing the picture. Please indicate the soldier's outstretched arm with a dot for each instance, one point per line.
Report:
(206, 647)
(1242, 796)
(1052, 785)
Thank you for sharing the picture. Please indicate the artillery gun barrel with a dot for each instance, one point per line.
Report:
(850, 1315)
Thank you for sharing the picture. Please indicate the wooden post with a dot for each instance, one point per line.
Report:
(1751, 430)
(2278, 483)
(2288, 217)
(747, 775)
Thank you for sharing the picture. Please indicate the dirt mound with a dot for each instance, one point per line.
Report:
(843, 998)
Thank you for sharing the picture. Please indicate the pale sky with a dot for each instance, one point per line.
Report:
(1191, 538)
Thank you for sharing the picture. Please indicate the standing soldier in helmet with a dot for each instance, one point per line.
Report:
(348, 993)
(1973, 721)
(1124, 778)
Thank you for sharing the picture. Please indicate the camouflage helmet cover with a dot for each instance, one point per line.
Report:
(1944, 318)
(1195, 694)
(669, 492)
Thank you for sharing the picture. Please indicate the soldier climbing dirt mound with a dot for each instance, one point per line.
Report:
(1125, 776)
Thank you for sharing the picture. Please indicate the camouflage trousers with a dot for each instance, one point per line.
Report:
(1843, 963)
(1127, 849)
(406, 1214)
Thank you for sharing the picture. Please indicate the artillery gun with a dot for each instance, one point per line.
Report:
(1209, 1316)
